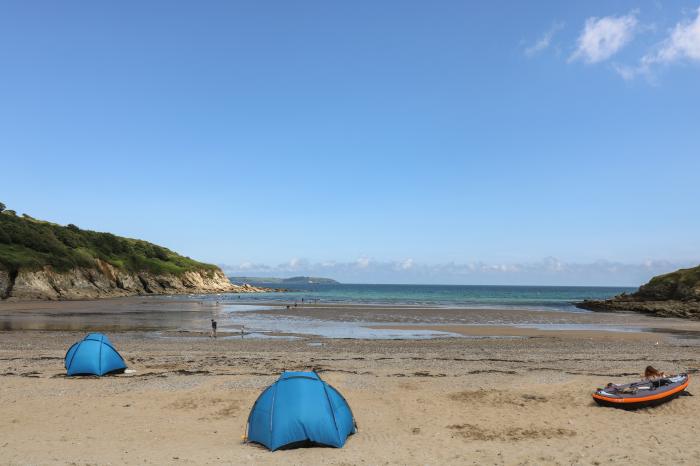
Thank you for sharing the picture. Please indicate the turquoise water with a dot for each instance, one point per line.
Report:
(522, 297)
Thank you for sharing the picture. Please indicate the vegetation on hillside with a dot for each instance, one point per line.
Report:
(29, 243)
(675, 294)
(682, 284)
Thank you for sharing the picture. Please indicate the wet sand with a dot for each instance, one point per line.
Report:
(524, 399)
(482, 316)
(189, 314)
(485, 331)
(117, 314)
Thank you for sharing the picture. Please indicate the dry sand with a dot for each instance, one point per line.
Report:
(450, 401)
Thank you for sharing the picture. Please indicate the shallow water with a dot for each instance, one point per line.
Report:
(463, 296)
(232, 319)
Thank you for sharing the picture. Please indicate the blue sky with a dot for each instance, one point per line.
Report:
(443, 142)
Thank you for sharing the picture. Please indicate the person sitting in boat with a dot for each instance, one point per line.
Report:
(650, 373)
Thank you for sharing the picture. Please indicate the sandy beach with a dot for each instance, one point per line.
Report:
(477, 221)
(496, 399)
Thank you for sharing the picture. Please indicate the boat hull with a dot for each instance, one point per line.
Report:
(660, 392)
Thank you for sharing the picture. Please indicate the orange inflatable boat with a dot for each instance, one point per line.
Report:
(642, 394)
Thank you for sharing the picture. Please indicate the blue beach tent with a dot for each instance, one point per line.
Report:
(300, 409)
(93, 355)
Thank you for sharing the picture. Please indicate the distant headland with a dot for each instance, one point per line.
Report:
(285, 281)
(43, 260)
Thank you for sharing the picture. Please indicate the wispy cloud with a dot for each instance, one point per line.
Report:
(548, 271)
(545, 41)
(602, 38)
(405, 265)
(681, 44)
(362, 263)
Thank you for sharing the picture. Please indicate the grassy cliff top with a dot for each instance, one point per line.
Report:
(31, 244)
(682, 284)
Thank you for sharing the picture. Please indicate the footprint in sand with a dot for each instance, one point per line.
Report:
(474, 432)
(225, 408)
(497, 397)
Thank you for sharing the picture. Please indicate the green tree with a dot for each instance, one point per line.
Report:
(2, 206)
(5, 237)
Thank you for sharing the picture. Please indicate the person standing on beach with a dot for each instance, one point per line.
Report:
(213, 329)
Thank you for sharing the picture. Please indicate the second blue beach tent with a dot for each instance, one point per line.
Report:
(300, 409)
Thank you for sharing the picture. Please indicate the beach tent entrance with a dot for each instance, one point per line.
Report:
(300, 409)
(93, 355)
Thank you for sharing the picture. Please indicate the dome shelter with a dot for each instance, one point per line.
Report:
(94, 355)
(300, 409)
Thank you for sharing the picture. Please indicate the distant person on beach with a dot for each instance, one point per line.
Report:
(213, 329)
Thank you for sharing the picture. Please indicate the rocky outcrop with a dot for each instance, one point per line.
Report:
(106, 281)
(676, 294)
(672, 308)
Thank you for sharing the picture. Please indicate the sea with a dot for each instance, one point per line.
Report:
(555, 298)
(241, 310)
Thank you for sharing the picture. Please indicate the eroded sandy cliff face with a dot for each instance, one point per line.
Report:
(106, 281)
(5, 283)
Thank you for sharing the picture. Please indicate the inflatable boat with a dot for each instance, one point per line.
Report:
(642, 394)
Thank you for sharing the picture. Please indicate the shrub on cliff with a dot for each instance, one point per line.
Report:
(29, 243)
(681, 285)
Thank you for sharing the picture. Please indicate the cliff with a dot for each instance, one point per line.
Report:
(675, 294)
(104, 281)
(42, 260)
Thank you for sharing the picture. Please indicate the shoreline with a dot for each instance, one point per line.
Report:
(189, 315)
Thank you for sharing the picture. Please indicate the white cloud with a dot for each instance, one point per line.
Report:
(405, 265)
(294, 263)
(244, 267)
(545, 41)
(553, 264)
(548, 271)
(627, 72)
(682, 44)
(602, 38)
(362, 263)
